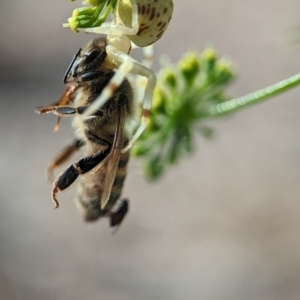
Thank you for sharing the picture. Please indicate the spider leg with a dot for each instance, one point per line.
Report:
(148, 56)
(147, 101)
(124, 68)
(133, 30)
(103, 29)
(141, 82)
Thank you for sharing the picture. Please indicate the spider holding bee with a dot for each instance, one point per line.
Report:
(101, 98)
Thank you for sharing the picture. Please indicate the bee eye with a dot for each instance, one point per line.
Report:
(90, 56)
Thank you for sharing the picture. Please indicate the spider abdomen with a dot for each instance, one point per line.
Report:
(153, 18)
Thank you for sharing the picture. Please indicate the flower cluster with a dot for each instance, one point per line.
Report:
(90, 16)
(181, 100)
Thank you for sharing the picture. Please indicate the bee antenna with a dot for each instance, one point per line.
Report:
(71, 65)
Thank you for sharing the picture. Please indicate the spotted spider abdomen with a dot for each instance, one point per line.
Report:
(153, 17)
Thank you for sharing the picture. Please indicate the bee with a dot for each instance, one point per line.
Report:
(136, 24)
(101, 136)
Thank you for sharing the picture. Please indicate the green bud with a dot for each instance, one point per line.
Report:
(208, 59)
(224, 71)
(189, 67)
(83, 11)
(153, 168)
(81, 17)
(152, 125)
(73, 24)
(172, 155)
(159, 100)
(85, 17)
(170, 77)
(139, 149)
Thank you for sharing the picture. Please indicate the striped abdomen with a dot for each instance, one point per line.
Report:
(90, 189)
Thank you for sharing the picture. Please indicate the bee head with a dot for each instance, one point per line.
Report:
(89, 59)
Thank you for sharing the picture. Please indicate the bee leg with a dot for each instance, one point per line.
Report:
(66, 98)
(63, 155)
(117, 216)
(66, 111)
(83, 166)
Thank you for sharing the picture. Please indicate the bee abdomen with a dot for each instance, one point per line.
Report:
(89, 193)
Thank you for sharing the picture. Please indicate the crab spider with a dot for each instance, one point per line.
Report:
(137, 22)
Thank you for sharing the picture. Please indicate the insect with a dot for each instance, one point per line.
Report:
(100, 97)
(101, 136)
(139, 23)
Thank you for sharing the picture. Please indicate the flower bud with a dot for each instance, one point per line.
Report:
(170, 78)
(189, 67)
(159, 100)
(224, 71)
(153, 168)
(208, 60)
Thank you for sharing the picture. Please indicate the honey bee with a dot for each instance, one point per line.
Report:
(101, 136)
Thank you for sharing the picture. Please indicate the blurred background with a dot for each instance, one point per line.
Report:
(223, 224)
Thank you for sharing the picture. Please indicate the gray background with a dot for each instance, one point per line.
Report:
(224, 224)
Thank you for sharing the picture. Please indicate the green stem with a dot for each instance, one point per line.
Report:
(105, 15)
(253, 98)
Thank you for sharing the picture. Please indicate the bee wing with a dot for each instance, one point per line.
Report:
(113, 158)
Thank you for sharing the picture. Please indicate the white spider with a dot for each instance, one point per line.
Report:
(141, 22)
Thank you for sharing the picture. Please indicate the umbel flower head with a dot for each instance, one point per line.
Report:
(181, 100)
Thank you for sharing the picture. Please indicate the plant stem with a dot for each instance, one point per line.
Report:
(106, 13)
(253, 98)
